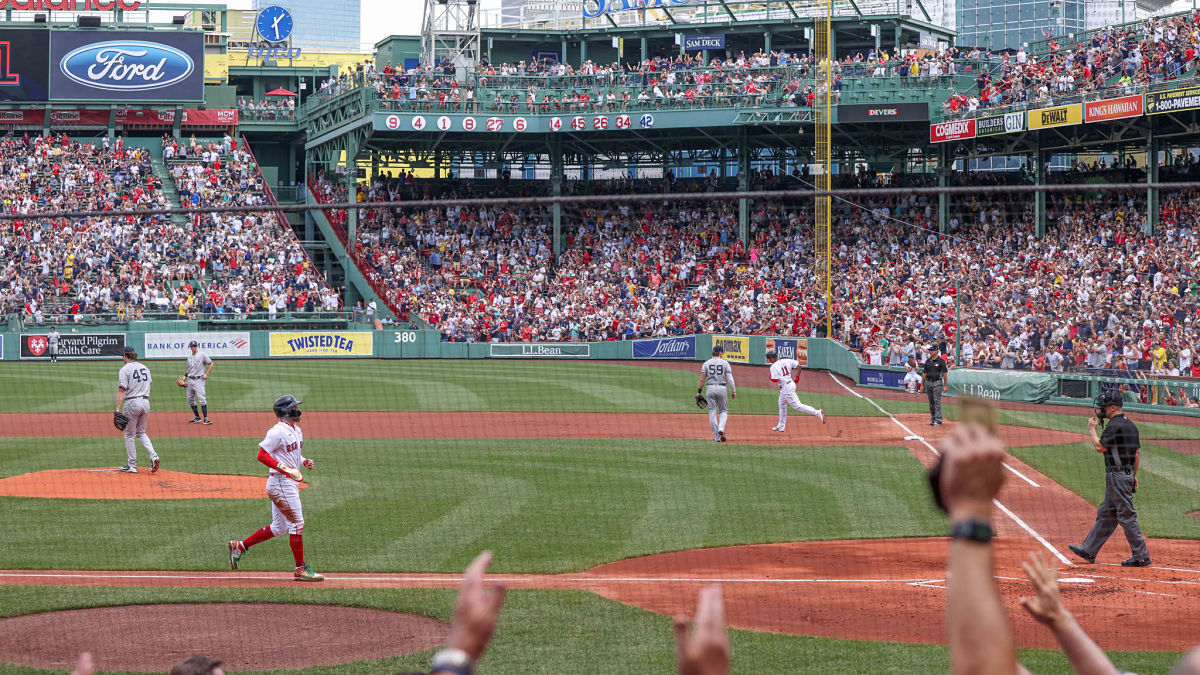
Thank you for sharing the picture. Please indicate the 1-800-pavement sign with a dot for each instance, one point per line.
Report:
(74, 345)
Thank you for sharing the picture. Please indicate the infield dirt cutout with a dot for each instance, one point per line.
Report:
(112, 484)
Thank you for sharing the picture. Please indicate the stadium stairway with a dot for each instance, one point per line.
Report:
(354, 276)
(169, 190)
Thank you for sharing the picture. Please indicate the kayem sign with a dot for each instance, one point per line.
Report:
(1058, 116)
(74, 346)
(175, 345)
(951, 131)
(143, 65)
(995, 125)
(1113, 108)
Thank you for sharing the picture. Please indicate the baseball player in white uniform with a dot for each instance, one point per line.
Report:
(197, 377)
(52, 339)
(282, 452)
(718, 376)
(133, 399)
(784, 373)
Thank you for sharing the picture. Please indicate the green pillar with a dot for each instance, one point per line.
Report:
(556, 185)
(1152, 210)
(1041, 160)
(896, 42)
(767, 42)
(645, 47)
(351, 196)
(582, 51)
(945, 160)
(563, 56)
(743, 186)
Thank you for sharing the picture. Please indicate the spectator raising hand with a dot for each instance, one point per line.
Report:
(475, 614)
(704, 649)
(1046, 606)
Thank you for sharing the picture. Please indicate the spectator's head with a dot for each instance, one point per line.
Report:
(198, 665)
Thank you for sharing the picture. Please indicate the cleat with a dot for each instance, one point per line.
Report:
(821, 415)
(1078, 550)
(154, 465)
(194, 420)
(127, 469)
(777, 428)
(721, 435)
(305, 573)
(235, 553)
(1134, 562)
(207, 421)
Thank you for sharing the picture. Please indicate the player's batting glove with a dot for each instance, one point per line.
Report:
(120, 421)
(292, 473)
(700, 402)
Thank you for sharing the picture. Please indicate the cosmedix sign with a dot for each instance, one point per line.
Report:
(595, 8)
(71, 5)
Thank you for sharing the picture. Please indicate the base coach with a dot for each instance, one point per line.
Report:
(1119, 444)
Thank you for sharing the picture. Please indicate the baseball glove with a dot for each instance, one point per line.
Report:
(700, 401)
(120, 421)
(181, 380)
(292, 473)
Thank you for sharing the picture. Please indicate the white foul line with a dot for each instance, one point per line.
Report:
(451, 579)
(932, 449)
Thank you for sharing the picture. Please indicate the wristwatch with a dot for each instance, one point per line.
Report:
(452, 660)
(973, 530)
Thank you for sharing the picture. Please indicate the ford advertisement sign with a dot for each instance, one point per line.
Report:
(155, 66)
(666, 348)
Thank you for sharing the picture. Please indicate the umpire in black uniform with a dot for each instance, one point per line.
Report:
(935, 383)
(1120, 445)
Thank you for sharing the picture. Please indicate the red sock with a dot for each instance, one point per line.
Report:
(258, 537)
(297, 549)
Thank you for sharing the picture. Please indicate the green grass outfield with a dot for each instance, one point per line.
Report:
(543, 505)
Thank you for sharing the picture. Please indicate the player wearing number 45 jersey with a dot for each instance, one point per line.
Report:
(282, 451)
(784, 373)
(133, 401)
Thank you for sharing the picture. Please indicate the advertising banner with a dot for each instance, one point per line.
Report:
(1002, 385)
(995, 125)
(74, 345)
(553, 350)
(24, 65)
(79, 118)
(789, 348)
(130, 65)
(175, 345)
(666, 348)
(1113, 108)
(1058, 116)
(895, 112)
(1172, 101)
(951, 131)
(322, 343)
(737, 349)
(699, 42)
(868, 375)
(22, 116)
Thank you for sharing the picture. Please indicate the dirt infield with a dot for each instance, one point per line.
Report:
(113, 484)
(802, 429)
(152, 638)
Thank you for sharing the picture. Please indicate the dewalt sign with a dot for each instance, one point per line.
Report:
(1058, 116)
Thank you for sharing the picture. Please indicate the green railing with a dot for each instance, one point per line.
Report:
(1039, 47)
(1181, 82)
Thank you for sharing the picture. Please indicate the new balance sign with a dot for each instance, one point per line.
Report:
(951, 131)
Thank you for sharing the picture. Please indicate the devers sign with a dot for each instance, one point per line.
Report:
(127, 65)
(595, 8)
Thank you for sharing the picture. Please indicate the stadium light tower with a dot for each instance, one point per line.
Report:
(451, 32)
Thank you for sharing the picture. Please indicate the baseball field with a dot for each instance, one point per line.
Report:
(602, 495)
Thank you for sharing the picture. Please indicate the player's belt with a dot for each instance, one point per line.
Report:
(195, 377)
(1122, 469)
(130, 398)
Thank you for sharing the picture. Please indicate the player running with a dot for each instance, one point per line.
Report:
(282, 450)
(197, 379)
(784, 373)
(717, 375)
(133, 399)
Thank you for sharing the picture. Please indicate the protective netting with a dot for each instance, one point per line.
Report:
(538, 399)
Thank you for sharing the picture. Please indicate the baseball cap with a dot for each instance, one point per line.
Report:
(193, 343)
(129, 350)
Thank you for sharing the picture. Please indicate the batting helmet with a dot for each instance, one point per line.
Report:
(772, 355)
(287, 406)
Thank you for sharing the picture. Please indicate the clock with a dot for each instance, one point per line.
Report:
(274, 23)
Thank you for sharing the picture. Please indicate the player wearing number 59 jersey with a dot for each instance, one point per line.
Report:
(282, 452)
(784, 373)
(717, 375)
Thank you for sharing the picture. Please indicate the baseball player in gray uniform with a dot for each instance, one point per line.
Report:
(52, 339)
(718, 376)
(197, 375)
(133, 395)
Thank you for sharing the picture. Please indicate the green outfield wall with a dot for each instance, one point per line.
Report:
(169, 340)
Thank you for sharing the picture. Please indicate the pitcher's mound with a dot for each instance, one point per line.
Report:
(112, 484)
(152, 638)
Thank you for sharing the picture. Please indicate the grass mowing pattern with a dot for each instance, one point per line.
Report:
(553, 632)
(542, 505)
(1168, 484)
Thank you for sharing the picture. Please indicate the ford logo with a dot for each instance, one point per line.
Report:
(127, 65)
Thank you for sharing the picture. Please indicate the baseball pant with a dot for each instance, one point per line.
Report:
(54, 355)
(718, 409)
(286, 513)
(933, 389)
(195, 391)
(787, 396)
(1117, 508)
(138, 412)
